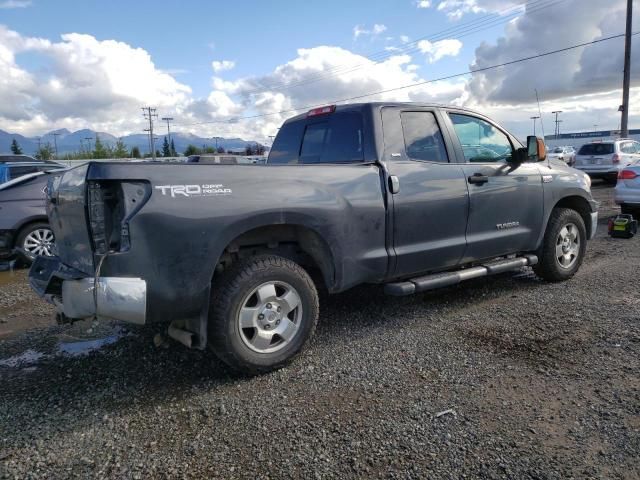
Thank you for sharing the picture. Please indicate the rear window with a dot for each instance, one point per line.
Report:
(596, 149)
(15, 172)
(336, 138)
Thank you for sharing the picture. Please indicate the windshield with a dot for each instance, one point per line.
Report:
(558, 150)
(596, 149)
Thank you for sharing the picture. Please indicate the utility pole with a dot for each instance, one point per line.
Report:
(595, 129)
(532, 118)
(557, 132)
(624, 124)
(168, 119)
(55, 142)
(38, 138)
(149, 113)
(88, 139)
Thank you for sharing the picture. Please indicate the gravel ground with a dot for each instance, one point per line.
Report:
(507, 377)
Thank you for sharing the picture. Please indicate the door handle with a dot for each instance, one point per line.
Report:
(394, 184)
(478, 178)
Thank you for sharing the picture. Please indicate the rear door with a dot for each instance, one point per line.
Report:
(430, 203)
(506, 199)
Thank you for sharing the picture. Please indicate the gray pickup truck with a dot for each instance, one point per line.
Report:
(411, 196)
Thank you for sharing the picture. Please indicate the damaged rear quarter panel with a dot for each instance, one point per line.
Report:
(180, 233)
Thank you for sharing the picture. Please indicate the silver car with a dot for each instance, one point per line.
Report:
(627, 192)
(605, 159)
(565, 153)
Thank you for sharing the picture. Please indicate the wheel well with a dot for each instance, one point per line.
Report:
(295, 242)
(580, 205)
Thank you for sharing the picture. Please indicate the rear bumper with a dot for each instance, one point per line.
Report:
(624, 195)
(598, 172)
(79, 296)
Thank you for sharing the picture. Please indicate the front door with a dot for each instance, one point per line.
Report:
(506, 199)
(430, 203)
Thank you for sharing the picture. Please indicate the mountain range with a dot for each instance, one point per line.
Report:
(73, 141)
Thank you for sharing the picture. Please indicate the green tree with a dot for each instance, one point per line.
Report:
(158, 153)
(98, 150)
(135, 153)
(173, 149)
(248, 149)
(209, 150)
(15, 148)
(166, 149)
(120, 151)
(45, 152)
(191, 150)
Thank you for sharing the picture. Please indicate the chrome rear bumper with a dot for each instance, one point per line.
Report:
(114, 298)
(73, 293)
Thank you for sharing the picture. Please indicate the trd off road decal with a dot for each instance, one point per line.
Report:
(204, 190)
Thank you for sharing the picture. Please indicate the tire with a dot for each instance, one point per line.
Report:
(33, 240)
(253, 304)
(563, 247)
(626, 209)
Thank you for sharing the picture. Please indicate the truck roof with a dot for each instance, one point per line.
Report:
(377, 105)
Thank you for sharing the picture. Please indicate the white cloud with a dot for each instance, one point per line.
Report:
(376, 30)
(404, 38)
(84, 82)
(588, 70)
(220, 66)
(449, 47)
(423, 3)
(15, 4)
(456, 9)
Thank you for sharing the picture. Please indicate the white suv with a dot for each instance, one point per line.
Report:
(604, 159)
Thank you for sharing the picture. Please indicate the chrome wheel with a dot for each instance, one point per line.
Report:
(38, 242)
(568, 246)
(270, 317)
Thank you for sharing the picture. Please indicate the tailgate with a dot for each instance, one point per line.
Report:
(66, 208)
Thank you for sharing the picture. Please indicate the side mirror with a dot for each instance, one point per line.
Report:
(536, 149)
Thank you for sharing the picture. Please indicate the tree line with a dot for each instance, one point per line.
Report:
(119, 150)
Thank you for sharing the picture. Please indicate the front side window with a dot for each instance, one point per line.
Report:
(422, 137)
(481, 141)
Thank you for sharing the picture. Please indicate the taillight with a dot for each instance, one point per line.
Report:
(321, 111)
(615, 158)
(627, 175)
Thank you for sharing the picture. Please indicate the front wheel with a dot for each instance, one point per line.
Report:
(563, 247)
(263, 312)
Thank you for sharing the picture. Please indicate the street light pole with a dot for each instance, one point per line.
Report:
(626, 83)
(55, 143)
(557, 112)
(534, 124)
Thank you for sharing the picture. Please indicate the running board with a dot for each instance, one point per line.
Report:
(438, 280)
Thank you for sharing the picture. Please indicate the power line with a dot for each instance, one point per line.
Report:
(404, 87)
(464, 29)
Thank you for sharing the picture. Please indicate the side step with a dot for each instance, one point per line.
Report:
(438, 280)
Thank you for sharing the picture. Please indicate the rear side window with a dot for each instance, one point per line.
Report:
(15, 172)
(596, 149)
(336, 138)
(422, 137)
(286, 146)
(628, 147)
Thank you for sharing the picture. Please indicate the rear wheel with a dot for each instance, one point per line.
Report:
(563, 247)
(628, 210)
(34, 240)
(263, 312)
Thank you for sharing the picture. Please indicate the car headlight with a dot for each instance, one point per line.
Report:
(587, 181)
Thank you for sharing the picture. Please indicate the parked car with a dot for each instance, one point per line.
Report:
(13, 158)
(627, 192)
(13, 170)
(605, 159)
(24, 226)
(566, 153)
(381, 193)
